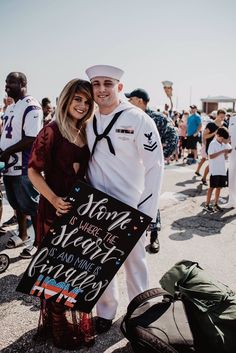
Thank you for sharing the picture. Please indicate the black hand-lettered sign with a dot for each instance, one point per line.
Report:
(84, 249)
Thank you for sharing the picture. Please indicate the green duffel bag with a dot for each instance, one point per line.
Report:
(210, 306)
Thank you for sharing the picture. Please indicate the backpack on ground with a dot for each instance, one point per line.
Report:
(196, 313)
(209, 304)
(156, 323)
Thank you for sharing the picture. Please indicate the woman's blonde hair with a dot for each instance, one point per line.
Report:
(62, 116)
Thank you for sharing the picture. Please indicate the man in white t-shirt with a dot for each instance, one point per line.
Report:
(217, 153)
(21, 123)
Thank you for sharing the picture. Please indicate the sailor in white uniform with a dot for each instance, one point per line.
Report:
(126, 163)
(232, 163)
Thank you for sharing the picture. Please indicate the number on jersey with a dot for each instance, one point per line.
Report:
(8, 126)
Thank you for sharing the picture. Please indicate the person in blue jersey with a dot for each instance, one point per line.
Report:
(194, 126)
(21, 123)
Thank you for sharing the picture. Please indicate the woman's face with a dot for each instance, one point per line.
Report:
(79, 107)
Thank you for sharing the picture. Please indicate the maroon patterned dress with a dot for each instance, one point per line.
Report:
(57, 158)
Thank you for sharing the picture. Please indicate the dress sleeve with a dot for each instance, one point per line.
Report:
(42, 150)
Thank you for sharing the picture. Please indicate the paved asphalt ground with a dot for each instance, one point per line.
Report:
(187, 233)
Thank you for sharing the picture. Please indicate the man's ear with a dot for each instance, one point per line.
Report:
(120, 87)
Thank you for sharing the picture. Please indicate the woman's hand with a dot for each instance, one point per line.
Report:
(60, 205)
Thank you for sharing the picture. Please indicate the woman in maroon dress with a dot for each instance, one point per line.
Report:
(59, 157)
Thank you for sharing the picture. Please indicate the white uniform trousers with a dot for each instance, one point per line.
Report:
(136, 281)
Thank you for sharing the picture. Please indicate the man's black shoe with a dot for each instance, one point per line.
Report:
(154, 246)
(154, 242)
(102, 325)
(204, 182)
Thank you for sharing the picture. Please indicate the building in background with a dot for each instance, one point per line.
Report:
(212, 103)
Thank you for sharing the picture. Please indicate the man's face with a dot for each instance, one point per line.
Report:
(221, 116)
(47, 109)
(106, 91)
(193, 110)
(220, 139)
(13, 86)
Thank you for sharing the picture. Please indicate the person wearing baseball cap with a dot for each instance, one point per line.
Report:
(169, 139)
(138, 93)
(126, 157)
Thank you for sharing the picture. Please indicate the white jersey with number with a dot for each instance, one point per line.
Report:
(134, 174)
(24, 118)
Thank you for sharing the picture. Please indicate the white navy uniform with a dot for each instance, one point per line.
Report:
(232, 162)
(133, 175)
(24, 118)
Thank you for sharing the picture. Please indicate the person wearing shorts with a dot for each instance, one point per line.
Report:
(217, 153)
(22, 121)
(194, 125)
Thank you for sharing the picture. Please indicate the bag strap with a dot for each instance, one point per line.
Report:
(144, 297)
(141, 299)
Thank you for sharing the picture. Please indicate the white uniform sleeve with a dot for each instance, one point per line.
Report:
(33, 121)
(151, 153)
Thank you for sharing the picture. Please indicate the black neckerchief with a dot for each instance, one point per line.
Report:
(105, 133)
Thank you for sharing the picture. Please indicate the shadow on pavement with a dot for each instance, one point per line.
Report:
(194, 180)
(107, 340)
(198, 191)
(26, 343)
(203, 224)
(8, 293)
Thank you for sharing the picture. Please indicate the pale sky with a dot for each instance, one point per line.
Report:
(190, 42)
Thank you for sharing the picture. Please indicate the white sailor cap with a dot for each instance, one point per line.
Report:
(167, 83)
(104, 71)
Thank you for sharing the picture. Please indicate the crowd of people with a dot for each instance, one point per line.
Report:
(117, 146)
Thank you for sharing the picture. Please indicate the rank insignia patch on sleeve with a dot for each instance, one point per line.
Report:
(150, 146)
